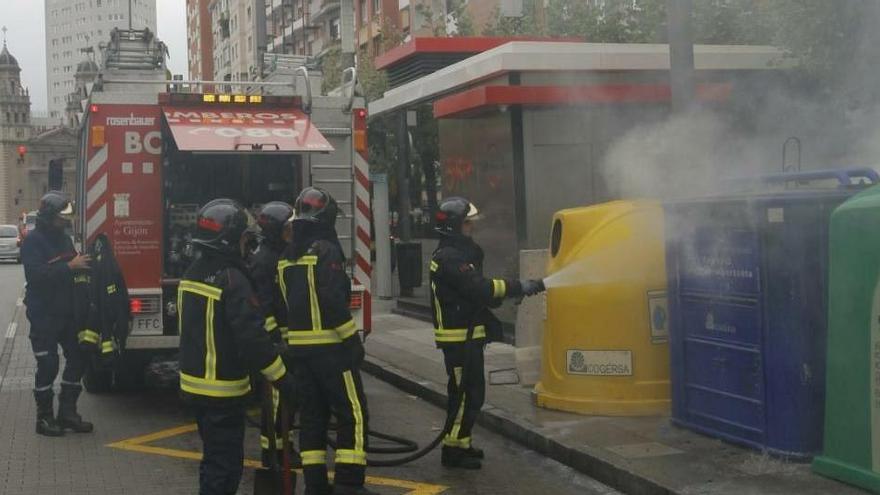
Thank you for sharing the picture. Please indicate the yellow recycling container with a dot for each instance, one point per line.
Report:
(605, 348)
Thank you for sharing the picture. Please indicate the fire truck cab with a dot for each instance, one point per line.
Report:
(154, 151)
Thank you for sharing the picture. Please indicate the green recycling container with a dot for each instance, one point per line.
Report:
(851, 451)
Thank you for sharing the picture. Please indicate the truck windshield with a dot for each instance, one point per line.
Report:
(7, 231)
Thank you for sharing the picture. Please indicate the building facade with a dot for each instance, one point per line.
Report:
(75, 25)
(303, 27)
(26, 147)
(200, 39)
(238, 32)
(417, 18)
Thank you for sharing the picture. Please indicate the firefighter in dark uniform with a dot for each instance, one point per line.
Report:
(222, 339)
(263, 264)
(50, 266)
(461, 298)
(324, 347)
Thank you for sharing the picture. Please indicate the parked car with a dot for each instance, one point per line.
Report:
(10, 243)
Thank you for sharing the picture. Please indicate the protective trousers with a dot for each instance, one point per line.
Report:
(222, 432)
(329, 383)
(464, 367)
(273, 416)
(46, 335)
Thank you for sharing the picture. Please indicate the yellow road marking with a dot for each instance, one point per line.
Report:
(139, 444)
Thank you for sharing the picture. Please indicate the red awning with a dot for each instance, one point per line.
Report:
(243, 128)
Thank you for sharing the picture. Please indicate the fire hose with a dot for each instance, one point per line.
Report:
(407, 446)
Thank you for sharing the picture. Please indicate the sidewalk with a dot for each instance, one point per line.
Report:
(633, 455)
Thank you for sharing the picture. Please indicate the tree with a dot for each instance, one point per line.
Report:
(732, 22)
(529, 24)
(614, 21)
(331, 68)
(456, 22)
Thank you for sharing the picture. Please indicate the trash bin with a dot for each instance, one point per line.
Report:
(409, 265)
(852, 405)
(605, 348)
(747, 297)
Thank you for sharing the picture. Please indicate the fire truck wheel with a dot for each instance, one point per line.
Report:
(98, 381)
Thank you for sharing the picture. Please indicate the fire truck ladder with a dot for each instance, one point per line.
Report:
(338, 180)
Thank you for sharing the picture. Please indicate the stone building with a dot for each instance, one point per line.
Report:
(26, 148)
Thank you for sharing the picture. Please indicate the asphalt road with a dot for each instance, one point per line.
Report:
(11, 285)
(144, 441)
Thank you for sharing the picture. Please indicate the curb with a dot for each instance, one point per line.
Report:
(9, 340)
(616, 476)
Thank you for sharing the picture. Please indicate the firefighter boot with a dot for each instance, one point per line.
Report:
(315, 478)
(46, 424)
(68, 418)
(456, 457)
(474, 452)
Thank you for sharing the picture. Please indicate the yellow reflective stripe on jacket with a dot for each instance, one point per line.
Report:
(309, 337)
(346, 330)
(89, 336)
(315, 309)
(437, 310)
(274, 371)
(458, 334)
(270, 324)
(212, 294)
(312, 337)
(347, 456)
(499, 288)
(214, 388)
(283, 265)
(210, 345)
(201, 289)
(107, 346)
(313, 457)
(434, 266)
(309, 261)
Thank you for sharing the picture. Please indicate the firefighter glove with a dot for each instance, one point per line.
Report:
(355, 348)
(532, 287)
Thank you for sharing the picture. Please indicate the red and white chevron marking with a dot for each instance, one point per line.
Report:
(363, 218)
(96, 192)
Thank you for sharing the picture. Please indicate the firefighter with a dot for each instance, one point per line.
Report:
(263, 264)
(461, 298)
(323, 345)
(222, 339)
(50, 266)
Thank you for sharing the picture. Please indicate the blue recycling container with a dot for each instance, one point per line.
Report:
(747, 300)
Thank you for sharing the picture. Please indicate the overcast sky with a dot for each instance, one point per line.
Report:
(27, 42)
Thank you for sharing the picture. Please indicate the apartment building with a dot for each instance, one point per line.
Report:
(238, 31)
(414, 18)
(199, 39)
(74, 25)
(303, 27)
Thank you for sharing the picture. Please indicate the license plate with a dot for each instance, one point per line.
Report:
(147, 325)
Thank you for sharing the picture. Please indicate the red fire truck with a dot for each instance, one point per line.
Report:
(154, 151)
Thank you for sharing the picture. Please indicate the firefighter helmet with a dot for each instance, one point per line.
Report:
(54, 204)
(452, 214)
(272, 218)
(317, 206)
(220, 225)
